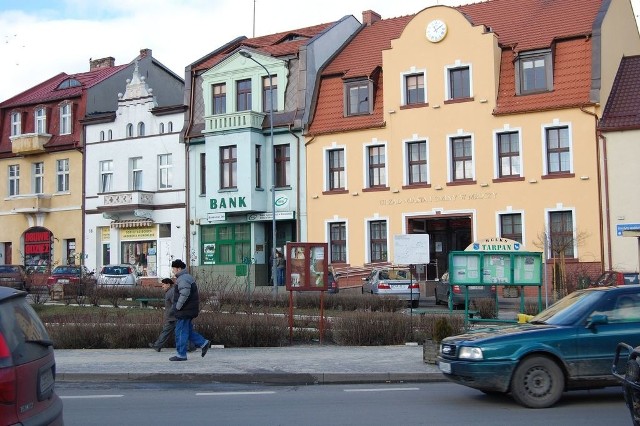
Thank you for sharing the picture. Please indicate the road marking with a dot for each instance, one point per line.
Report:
(90, 396)
(381, 390)
(233, 393)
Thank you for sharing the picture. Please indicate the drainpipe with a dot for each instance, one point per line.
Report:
(599, 136)
(606, 199)
(187, 187)
(298, 226)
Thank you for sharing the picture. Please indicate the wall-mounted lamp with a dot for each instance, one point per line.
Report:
(483, 101)
(355, 194)
(436, 106)
(315, 197)
(484, 185)
(438, 188)
(533, 181)
(584, 177)
(393, 111)
(395, 191)
(620, 217)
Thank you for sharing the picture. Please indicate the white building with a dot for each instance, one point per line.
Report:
(134, 177)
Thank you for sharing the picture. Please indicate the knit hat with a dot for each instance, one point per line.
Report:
(178, 264)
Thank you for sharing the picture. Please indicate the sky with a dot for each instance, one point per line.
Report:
(42, 38)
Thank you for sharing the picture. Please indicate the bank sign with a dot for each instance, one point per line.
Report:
(241, 202)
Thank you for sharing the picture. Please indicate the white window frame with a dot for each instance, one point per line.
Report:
(110, 135)
(367, 239)
(165, 171)
(405, 155)
(510, 211)
(547, 215)
(170, 127)
(325, 176)
(460, 134)
(65, 119)
(547, 57)
(13, 172)
(62, 175)
(101, 135)
(40, 117)
(447, 78)
(496, 151)
(543, 137)
(106, 176)
(365, 162)
(403, 84)
(129, 130)
(16, 124)
(327, 227)
(161, 128)
(38, 177)
(141, 129)
(135, 173)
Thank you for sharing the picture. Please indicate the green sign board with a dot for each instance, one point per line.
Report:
(495, 267)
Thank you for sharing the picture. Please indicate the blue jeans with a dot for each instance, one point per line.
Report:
(280, 276)
(185, 334)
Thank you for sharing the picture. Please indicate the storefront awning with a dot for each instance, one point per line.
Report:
(132, 223)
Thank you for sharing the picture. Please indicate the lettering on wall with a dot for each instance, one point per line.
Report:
(474, 196)
(227, 203)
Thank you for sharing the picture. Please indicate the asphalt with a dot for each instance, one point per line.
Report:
(307, 364)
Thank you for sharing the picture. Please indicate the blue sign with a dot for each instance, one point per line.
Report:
(627, 227)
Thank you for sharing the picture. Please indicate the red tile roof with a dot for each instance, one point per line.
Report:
(622, 111)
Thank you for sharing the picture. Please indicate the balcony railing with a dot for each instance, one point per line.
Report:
(126, 199)
(29, 203)
(29, 143)
(233, 121)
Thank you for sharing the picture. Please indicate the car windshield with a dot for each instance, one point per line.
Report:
(64, 270)
(568, 309)
(394, 274)
(5, 269)
(116, 270)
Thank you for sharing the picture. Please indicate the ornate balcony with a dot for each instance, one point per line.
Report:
(233, 121)
(29, 203)
(29, 143)
(125, 201)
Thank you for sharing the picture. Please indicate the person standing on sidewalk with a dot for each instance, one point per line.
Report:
(169, 324)
(186, 306)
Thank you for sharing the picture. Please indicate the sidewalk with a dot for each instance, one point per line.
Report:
(308, 364)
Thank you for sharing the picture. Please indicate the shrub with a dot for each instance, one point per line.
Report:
(486, 307)
(441, 329)
(531, 306)
(371, 328)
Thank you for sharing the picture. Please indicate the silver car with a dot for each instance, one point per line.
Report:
(117, 275)
(393, 281)
(444, 290)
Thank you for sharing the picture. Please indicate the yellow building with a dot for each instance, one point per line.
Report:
(467, 123)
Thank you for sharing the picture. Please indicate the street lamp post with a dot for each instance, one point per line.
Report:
(247, 55)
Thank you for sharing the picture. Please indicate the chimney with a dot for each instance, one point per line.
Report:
(369, 17)
(101, 63)
(145, 52)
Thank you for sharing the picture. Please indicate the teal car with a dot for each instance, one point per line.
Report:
(570, 345)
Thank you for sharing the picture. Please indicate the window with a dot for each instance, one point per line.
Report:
(378, 241)
(170, 127)
(141, 129)
(561, 234)
(461, 159)
(459, 83)
(106, 175)
(511, 226)
(41, 121)
(414, 89)
(508, 154)
(14, 179)
(377, 166)
(16, 124)
(336, 170)
(102, 135)
(417, 162)
(338, 242)
(110, 135)
(226, 244)
(534, 72)
(161, 128)
(243, 95)
(129, 130)
(281, 160)
(258, 165)
(70, 82)
(135, 178)
(38, 178)
(62, 175)
(558, 150)
(203, 174)
(358, 96)
(228, 167)
(219, 98)
(65, 119)
(165, 171)
(267, 92)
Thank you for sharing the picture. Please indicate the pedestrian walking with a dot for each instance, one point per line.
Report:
(281, 266)
(186, 306)
(169, 324)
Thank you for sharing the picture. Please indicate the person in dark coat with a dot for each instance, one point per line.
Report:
(186, 307)
(169, 324)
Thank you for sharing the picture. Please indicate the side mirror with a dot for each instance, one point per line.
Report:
(597, 319)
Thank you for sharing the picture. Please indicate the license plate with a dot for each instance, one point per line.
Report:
(46, 380)
(476, 287)
(63, 281)
(398, 286)
(445, 367)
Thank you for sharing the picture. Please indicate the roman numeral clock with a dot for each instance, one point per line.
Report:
(436, 30)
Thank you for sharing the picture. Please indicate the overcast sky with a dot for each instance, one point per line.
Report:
(41, 38)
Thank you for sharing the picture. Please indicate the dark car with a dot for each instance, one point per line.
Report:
(617, 278)
(630, 378)
(27, 365)
(570, 345)
(13, 276)
(73, 277)
(453, 295)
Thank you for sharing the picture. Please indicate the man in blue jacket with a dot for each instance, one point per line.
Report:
(186, 306)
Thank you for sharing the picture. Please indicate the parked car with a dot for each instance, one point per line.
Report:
(14, 276)
(333, 284)
(444, 290)
(37, 277)
(117, 275)
(77, 276)
(27, 365)
(570, 345)
(630, 378)
(617, 278)
(393, 281)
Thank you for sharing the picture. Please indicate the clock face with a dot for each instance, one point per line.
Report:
(436, 30)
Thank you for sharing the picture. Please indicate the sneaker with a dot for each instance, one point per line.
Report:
(177, 358)
(205, 348)
(157, 348)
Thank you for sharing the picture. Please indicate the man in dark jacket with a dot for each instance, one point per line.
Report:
(186, 306)
(169, 324)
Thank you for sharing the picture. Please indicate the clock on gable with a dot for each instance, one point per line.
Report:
(436, 30)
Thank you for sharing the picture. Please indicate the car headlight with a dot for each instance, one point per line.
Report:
(470, 353)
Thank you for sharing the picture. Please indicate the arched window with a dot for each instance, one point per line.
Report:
(129, 130)
(161, 128)
(109, 135)
(141, 129)
(170, 127)
(102, 135)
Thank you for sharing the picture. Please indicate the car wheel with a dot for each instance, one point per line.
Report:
(538, 382)
(415, 303)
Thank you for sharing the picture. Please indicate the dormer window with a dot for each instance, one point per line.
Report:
(358, 96)
(70, 82)
(41, 121)
(65, 119)
(534, 72)
(16, 124)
